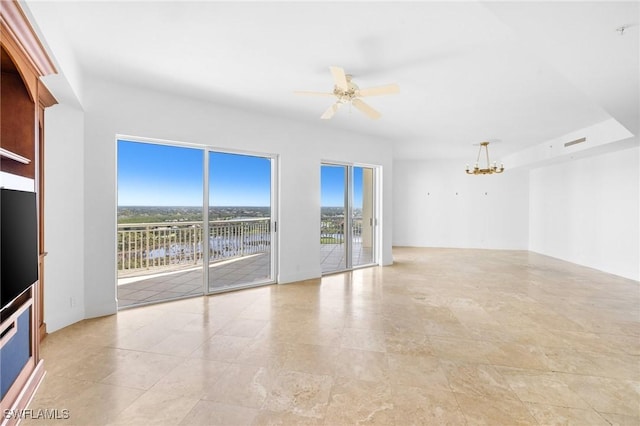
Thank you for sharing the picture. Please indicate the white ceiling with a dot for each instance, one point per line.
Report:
(514, 72)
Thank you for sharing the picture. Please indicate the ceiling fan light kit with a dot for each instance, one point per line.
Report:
(347, 92)
(490, 169)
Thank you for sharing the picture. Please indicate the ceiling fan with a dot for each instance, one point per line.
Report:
(348, 92)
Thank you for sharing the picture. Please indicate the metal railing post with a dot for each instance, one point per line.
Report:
(195, 237)
(146, 260)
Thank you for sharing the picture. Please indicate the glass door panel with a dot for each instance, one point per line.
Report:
(333, 184)
(240, 209)
(363, 218)
(160, 224)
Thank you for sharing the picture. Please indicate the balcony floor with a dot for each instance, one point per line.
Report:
(332, 256)
(169, 285)
(157, 287)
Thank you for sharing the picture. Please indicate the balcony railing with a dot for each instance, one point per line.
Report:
(156, 247)
(332, 230)
(168, 246)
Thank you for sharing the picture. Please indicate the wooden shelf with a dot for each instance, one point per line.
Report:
(13, 156)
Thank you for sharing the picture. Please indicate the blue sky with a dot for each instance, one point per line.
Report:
(239, 180)
(332, 186)
(160, 175)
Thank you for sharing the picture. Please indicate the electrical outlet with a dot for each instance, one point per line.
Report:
(72, 302)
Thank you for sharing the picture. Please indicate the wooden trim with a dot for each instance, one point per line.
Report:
(8, 332)
(16, 21)
(26, 69)
(45, 98)
(32, 376)
(12, 155)
(42, 330)
(16, 314)
(40, 325)
(20, 386)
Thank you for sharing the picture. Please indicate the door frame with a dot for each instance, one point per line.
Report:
(206, 149)
(274, 218)
(348, 200)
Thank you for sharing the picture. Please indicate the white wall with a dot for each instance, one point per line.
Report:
(587, 212)
(439, 205)
(64, 218)
(67, 84)
(112, 109)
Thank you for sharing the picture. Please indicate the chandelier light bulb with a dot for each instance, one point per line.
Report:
(490, 168)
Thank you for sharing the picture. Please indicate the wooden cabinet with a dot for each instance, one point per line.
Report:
(23, 99)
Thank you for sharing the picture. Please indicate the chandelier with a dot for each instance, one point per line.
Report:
(490, 169)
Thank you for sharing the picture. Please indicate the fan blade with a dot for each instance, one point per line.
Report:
(339, 78)
(307, 93)
(371, 113)
(389, 89)
(330, 111)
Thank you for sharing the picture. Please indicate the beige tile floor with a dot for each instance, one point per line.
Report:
(443, 336)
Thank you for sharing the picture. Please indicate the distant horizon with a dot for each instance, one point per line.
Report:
(213, 207)
(183, 206)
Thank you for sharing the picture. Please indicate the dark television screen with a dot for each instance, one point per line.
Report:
(18, 243)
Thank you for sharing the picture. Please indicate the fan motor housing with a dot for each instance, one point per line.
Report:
(350, 93)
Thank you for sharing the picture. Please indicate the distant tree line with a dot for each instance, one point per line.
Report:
(154, 214)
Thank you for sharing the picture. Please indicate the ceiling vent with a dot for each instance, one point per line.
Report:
(577, 141)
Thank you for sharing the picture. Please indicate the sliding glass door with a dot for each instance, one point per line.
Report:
(348, 221)
(363, 217)
(172, 221)
(333, 215)
(241, 233)
(159, 231)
